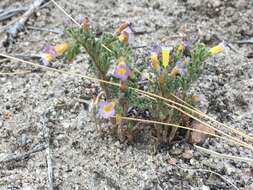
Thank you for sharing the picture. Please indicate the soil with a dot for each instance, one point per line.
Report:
(85, 159)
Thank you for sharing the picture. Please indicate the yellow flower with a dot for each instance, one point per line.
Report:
(154, 61)
(60, 49)
(165, 57)
(180, 48)
(217, 49)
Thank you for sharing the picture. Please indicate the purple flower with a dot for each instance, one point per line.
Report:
(106, 109)
(50, 49)
(46, 58)
(186, 43)
(48, 54)
(156, 48)
(122, 71)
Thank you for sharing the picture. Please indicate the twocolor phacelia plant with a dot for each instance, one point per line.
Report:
(169, 72)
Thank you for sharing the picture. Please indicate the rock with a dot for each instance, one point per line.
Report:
(188, 154)
(215, 3)
(198, 137)
(172, 161)
(176, 151)
(229, 169)
(194, 3)
(249, 187)
(156, 5)
(204, 187)
(241, 3)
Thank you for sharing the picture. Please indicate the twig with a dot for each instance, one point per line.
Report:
(49, 168)
(61, 32)
(11, 12)
(47, 137)
(249, 41)
(16, 157)
(12, 32)
(6, 14)
(2, 29)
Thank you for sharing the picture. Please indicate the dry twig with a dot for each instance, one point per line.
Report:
(47, 137)
(11, 12)
(19, 157)
(12, 32)
(249, 41)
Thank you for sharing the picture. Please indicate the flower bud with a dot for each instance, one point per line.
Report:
(174, 71)
(154, 61)
(122, 27)
(86, 24)
(60, 49)
(162, 78)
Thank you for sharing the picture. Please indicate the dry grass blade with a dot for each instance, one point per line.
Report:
(59, 71)
(236, 131)
(237, 142)
(217, 130)
(70, 17)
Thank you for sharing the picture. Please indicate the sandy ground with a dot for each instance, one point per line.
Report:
(33, 102)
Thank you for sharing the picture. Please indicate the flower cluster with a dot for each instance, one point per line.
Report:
(170, 73)
(50, 52)
(167, 58)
